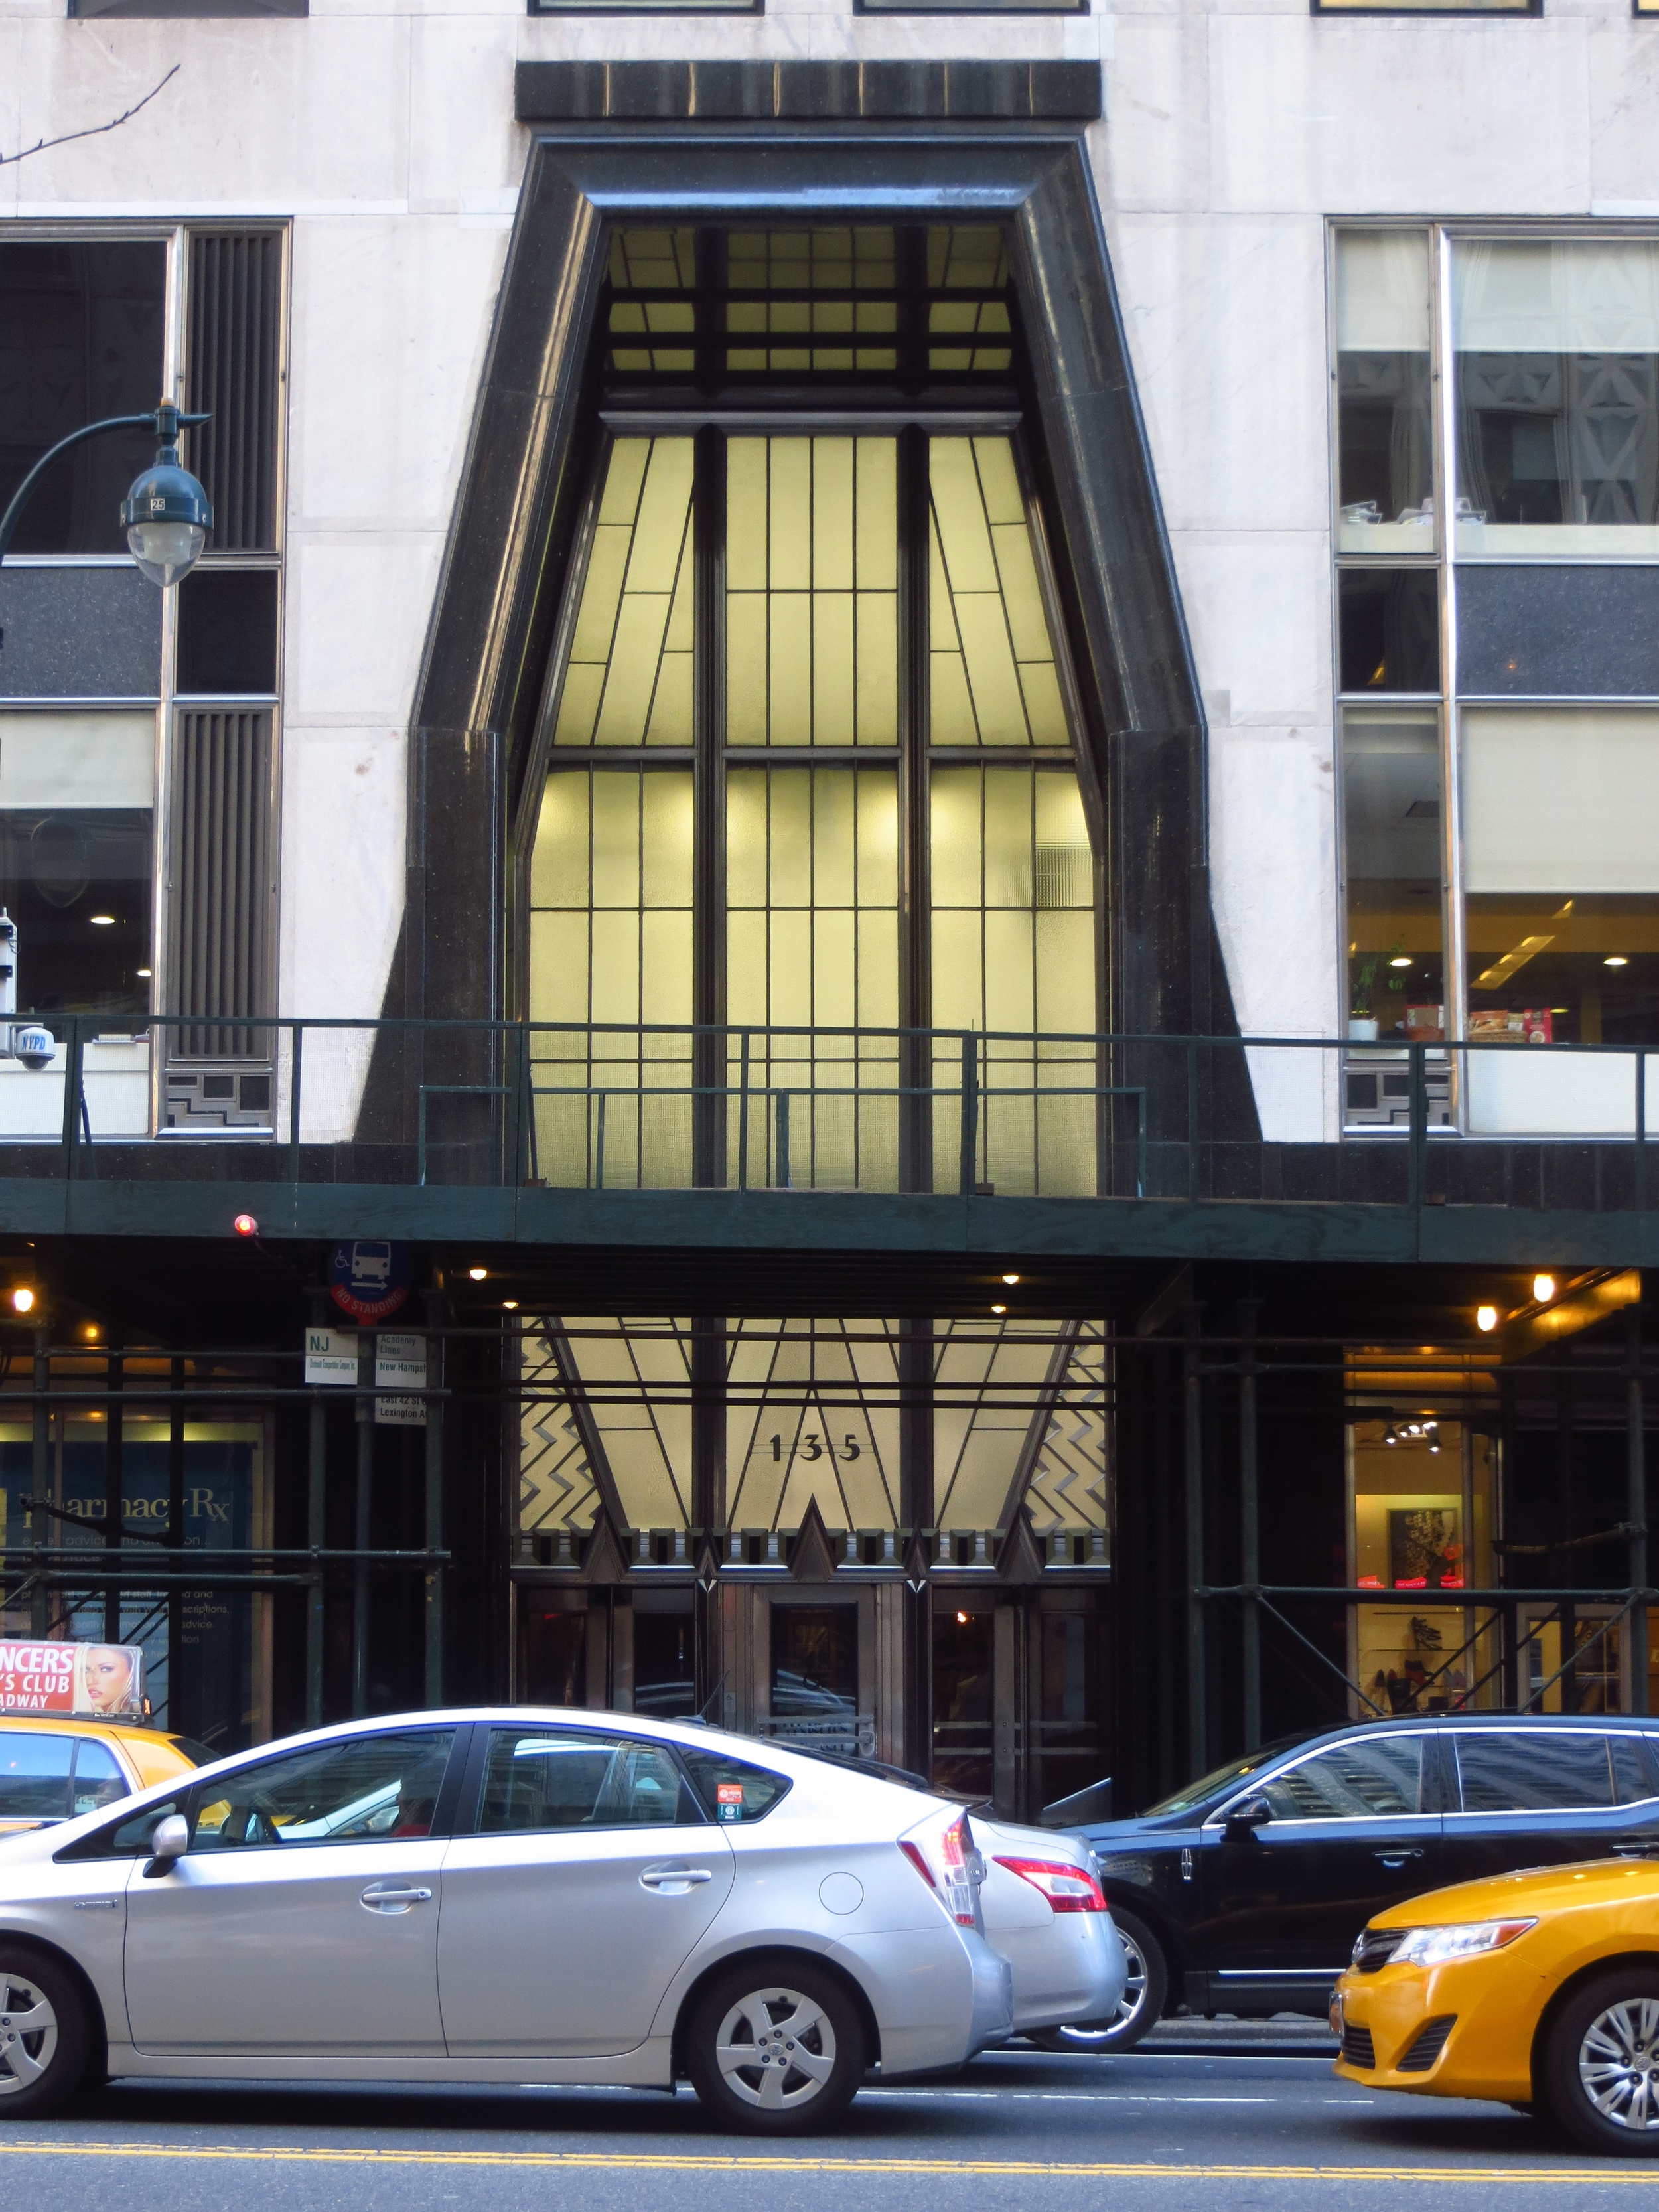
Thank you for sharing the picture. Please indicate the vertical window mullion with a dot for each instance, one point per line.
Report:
(708, 1058)
(1443, 367)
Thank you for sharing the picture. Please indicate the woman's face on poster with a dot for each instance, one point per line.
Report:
(109, 1677)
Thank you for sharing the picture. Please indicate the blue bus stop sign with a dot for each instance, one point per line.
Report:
(368, 1279)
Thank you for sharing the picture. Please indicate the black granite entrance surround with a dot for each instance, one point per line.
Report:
(814, 92)
(492, 628)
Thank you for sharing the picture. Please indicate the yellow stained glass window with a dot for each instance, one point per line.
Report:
(993, 675)
(1020, 1402)
(812, 607)
(628, 681)
(814, 1417)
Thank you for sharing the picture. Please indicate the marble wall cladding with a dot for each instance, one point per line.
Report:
(1233, 130)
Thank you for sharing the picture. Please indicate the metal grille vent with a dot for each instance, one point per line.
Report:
(235, 300)
(1357, 2045)
(1429, 2042)
(223, 892)
(1376, 1948)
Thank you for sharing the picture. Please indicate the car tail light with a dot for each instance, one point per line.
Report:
(940, 1853)
(1068, 1888)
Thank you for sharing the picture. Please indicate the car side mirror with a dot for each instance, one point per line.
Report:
(1244, 1819)
(168, 1845)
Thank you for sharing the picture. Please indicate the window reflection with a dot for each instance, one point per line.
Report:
(1385, 425)
(1558, 396)
(1393, 871)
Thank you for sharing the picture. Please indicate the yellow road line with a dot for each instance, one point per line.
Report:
(712, 2162)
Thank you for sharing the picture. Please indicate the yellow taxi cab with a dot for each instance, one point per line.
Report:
(54, 1766)
(1539, 1990)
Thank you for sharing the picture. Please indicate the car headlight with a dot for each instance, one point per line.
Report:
(1434, 1947)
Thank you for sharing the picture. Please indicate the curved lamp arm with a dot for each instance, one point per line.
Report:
(164, 424)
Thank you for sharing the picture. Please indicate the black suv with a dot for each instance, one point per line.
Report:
(1244, 1893)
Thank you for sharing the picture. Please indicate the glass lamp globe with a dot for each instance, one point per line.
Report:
(167, 517)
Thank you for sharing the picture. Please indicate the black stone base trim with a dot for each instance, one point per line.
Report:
(819, 92)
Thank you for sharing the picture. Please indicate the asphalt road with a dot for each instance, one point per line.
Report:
(1020, 2129)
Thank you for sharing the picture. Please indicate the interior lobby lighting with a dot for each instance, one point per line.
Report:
(1543, 1288)
(101, 920)
(1615, 960)
(1499, 974)
(1485, 1318)
(961, 1620)
(509, 1305)
(998, 1310)
(1401, 960)
(1010, 1278)
(22, 1299)
(477, 1274)
(1388, 1436)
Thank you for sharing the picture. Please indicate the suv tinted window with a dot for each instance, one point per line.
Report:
(1632, 1769)
(1532, 1771)
(1368, 1778)
(34, 1774)
(555, 1778)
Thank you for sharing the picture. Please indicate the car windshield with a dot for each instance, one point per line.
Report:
(1223, 1779)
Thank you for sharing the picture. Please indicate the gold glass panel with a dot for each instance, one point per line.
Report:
(812, 605)
(812, 943)
(1020, 1420)
(610, 942)
(632, 1378)
(1013, 948)
(813, 1416)
(628, 678)
(993, 676)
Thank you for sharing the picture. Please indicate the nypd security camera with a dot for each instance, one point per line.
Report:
(25, 1040)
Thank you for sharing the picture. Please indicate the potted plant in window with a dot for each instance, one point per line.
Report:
(1362, 986)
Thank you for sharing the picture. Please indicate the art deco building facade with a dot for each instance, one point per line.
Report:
(908, 806)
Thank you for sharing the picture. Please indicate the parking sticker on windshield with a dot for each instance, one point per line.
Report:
(729, 1799)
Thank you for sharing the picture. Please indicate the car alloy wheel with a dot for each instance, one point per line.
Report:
(28, 2034)
(1619, 2064)
(45, 2040)
(1600, 2064)
(779, 2056)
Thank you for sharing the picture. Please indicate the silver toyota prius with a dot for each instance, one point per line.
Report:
(493, 1896)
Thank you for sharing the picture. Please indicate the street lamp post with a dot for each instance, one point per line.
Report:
(166, 514)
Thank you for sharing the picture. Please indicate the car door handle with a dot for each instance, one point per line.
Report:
(674, 1880)
(1398, 1858)
(394, 1897)
(1638, 1848)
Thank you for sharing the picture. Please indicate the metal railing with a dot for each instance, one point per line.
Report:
(605, 1106)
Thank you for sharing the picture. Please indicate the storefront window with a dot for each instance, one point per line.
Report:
(1423, 1491)
(1558, 396)
(1384, 413)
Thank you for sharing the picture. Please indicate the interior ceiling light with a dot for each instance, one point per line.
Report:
(90, 1332)
(477, 1274)
(962, 1618)
(1388, 1436)
(1499, 974)
(1401, 960)
(1434, 1443)
(1485, 1318)
(101, 920)
(1612, 960)
(1543, 1288)
(998, 1310)
(1010, 1278)
(509, 1305)
(22, 1299)
(144, 972)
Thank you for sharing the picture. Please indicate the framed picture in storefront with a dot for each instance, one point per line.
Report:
(1426, 1547)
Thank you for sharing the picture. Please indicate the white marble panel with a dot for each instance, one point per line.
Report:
(1273, 874)
(1459, 116)
(1549, 1091)
(1258, 608)
(357, 615)
(384, 389)
(662, 38)
(837, 35)
(1624, 105)
(11, 103)
(1226, 324)
(462, 139)
(1154, 151)
(264, 112)
(343, 805)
